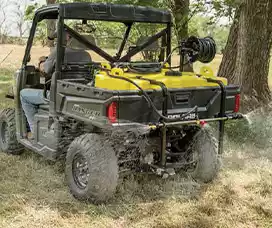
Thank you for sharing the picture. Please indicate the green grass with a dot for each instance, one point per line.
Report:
(6, 78)
(6, 75)
(4, 88)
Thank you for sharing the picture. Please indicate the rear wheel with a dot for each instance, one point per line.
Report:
(91, 168)
(205, 153)
(8, 139)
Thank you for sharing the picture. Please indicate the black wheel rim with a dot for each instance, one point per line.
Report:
(80, 171)
(4, 133)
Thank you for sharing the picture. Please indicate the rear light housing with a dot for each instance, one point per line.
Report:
(112, 112)
(203, 123)
(237, 103)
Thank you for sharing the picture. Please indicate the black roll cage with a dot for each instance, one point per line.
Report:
(50, 12)
(165, 33)
(118, 57)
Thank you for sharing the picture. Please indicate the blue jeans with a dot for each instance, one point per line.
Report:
(31, 99)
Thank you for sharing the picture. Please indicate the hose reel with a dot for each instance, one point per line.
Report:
(198, 49)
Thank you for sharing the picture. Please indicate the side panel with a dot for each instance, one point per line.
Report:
(44, 135)
(84, 103)
(86, 109)
(46, 140)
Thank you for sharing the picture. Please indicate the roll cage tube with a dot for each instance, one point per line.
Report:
(88, 44)
(30, 42)
(130, 54)
(140, 48)
(59, 60)
(124, 41)
(58, 11)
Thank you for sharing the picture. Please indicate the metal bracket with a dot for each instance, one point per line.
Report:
(222, 113)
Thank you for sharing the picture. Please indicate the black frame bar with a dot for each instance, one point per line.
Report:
(124, 41)
(60, 56)
(169, 46)
(222, 113)
(140, 48)
(107, 56)
(88, 44)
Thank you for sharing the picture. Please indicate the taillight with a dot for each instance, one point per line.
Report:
(112, 112)
(237, 103)
(203, 123)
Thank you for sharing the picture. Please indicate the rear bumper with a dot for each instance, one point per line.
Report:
(235, 116)
(200, 121)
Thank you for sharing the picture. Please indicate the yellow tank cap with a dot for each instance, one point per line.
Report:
(106, 65)
(117, 72)
(206, 71)
(166, 65)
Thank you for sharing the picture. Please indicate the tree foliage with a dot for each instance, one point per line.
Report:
(110, 34)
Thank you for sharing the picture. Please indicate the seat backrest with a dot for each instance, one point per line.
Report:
(74, 64)
(78, 45)
(76, 56)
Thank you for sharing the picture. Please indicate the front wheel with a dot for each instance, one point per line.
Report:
(91, 168)
(205, 153)
(8, 139)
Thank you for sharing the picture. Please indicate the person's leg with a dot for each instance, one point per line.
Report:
(31, 99)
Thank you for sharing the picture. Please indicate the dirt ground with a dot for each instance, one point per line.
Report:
(33, 192)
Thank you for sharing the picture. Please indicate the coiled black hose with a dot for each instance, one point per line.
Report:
(202, 49)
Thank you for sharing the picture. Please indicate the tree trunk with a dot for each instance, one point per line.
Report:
(51, 26)
(227, 66)
(247, 54)
(20, 28)
(181, 13)
(180, 10)
(254, 45)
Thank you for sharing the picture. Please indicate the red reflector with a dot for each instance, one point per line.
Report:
(237, 103)
(112, 112)
(203, 123)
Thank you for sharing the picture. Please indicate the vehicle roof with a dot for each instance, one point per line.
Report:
(104, 12)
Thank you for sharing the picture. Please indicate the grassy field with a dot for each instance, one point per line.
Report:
(33, 191)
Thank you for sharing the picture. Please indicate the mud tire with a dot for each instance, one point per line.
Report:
(208, 163)
(101, 162)
(8, 139)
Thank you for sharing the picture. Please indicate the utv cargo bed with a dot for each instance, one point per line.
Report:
(128, 103)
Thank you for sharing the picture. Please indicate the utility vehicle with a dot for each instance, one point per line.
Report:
(119, 116)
